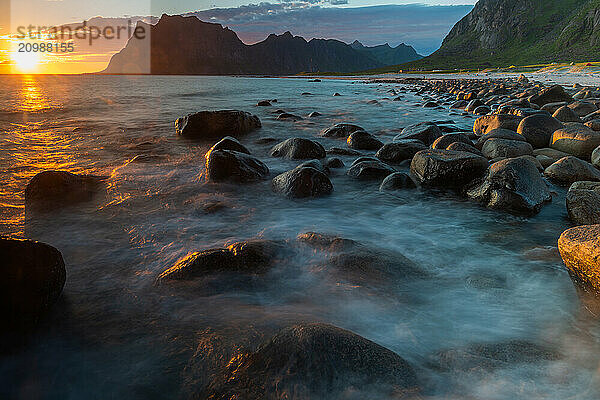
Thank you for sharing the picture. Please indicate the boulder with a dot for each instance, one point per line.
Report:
(395, 181)
(298, 149)
(33, 277)
(233, 166)
(230, 143)
(446, 140)
(314, 361)
(552, 107)
(552, 94)
(487, 123)
(583, 108)
(460, 146)
(264, 103)
(593, 125)
(426, 132)
(254, 256)
(494, 148)
(583, 203)
(446, 168)
(342, 151)
(538, 129)
(340, 130)
(334, 163)
(302, 182)
(397, 152)
(591, 116)
(473, 104)
(316, 164)
(513, 185)
(571, 169)
(361, 140)
(216, 124)
(482, 110)
(596, 157)
(288, 117)
(369, 170)
(575, 139)
(565, 114)
(553, 154)
(50, 190)
(498, 134)
(579, 248)
(314, 114)
(545, 161)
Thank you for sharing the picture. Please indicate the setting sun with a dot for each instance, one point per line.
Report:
(25, 61)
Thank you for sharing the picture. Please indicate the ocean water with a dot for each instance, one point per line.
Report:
(114, 334)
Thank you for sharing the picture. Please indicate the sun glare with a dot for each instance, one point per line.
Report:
(26, 61)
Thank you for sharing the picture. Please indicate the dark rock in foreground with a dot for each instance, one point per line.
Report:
(446, 168)
(230, 143)
(538, 129)
(396, 152)
(361, 140)
(299, 149)
(369, 169)
(215, 124)
(512, 185)
(233, 166)
(50, 190)
(426, 132)
(583, 203)
(571, 169)
(33, 277)
(310, 361)
(396, 181)
(301, 182)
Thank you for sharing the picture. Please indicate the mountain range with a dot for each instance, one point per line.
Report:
(520, 32)
(181, 45)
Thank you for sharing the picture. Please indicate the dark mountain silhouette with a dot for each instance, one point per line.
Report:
(387, 55)
(180, 45)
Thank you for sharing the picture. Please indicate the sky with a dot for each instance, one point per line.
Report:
(372, 22)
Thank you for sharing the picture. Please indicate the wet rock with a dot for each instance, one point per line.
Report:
(50, 190)
(534, 160)
(316, 164)
(302, 182)
(340, 131)
(487, 123)
(489, 356)
(575, 139)
(216, 124)
(596, 157)
(324, 242)
(336, 94)
(334, 163)
(265, 140)
(289, 117)
(298, 149)
(482, 110)
(230, 143)
(552, 94)
(593, 125)
(396, 152)
(545, 161)
(446, 140)
(314, 114)
(396, 181)
(314, 361)
(583, 203)
(264, 103)
(342, 152)
(494, 148)
(33, 277)
(460, 146)
(498, 134)
(233, 166)
(512, 185)
(580, 250)
(538, 129)
(361, 140)
(553, 154)
(255, 256)
(583, 108)
(426, 132)
(430, 104)
(571, 169)
(591, 116)
(565, 114)
(552, 107)
(446, 168)
(371, 169)
(212, 207)
(473, 104)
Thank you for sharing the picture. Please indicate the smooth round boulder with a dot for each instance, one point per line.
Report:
(314, 360)
(579, 248)
(298, 149)
(487, 123)
(583, 203)
(446, 140)
(33, 277)
(233, 166)
(513, 185)
(446, 168)
(264, 103)
(229, 143)
(460, 146)
(301, 183)
(553, 154)
(537, 129)
(571, 169)
(340, 131)
(552, 107)
(498, 133)
(216, 124)
(495, 148)
(369, 169)
(334, 163)
(566, 114)
(396, 152)
(361, 140)
(583, 108)
(397, 181)
(575, 139)
(50, 190)
(426, 132)
(553, 94)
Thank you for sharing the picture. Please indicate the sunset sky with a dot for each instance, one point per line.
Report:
(417, 25)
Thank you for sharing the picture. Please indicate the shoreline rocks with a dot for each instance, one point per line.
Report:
(583, 203)
(210, 125)
(50, 190)
(301, 182)
(299, 149)
(579, 248)
(447, 168)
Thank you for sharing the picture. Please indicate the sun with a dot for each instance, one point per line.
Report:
(25, 61)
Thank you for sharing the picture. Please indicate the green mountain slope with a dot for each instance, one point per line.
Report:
(499, 33)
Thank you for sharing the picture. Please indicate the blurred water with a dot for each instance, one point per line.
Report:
(115, 335)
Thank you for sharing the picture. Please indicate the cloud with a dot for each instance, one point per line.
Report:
(421, 26)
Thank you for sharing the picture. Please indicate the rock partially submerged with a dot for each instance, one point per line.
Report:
(314, 361)
(301, 182)
(298, 149)
(580, 250)
(341, 131)
(233, 166)
(447, 168)
(583, 203)
(361, 140)
(396, 181)
(426, 132)
(51, 190)
(33, 277)
(396, 152)
(369, 169)
(512, 185)
(215, 124)
(571, 169)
